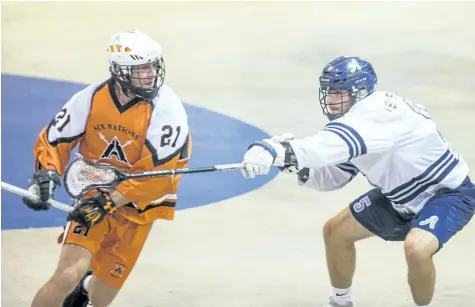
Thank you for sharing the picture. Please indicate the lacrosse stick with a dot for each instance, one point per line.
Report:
(82, 176)
(25, 193)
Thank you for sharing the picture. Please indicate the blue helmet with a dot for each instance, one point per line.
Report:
(352, 78)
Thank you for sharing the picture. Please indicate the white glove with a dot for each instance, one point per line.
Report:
(261, 156)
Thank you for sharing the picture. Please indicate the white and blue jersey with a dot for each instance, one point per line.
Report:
(393, 142)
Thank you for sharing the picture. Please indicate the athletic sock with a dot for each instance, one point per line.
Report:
(341, 296)
(85, 282)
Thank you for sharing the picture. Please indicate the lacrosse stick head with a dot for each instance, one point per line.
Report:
(82, 176)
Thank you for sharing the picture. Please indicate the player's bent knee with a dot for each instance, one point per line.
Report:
(73, 264)
(415, 253)
(330, 229)
(344, 228)
(420, 245)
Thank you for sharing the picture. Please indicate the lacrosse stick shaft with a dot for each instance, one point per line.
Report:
(170, 172)
(25, 193)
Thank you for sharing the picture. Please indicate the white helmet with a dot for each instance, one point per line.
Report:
(136, 62)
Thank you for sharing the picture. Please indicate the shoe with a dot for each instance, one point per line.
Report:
(332, 303)
(78, 297)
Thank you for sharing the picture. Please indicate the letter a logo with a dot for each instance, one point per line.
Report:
(353, 66)
(430, 221)
(114, 149)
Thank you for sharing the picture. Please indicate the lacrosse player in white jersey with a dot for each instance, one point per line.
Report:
(422, 194)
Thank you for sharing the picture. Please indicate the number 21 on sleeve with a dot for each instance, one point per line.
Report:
(169, 134)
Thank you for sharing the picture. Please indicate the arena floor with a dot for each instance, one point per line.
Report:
(257, 63)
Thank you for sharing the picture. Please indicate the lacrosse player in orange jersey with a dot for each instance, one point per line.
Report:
(131, 121)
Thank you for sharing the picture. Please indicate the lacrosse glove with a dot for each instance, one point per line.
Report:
(91, 211)
(43, 185)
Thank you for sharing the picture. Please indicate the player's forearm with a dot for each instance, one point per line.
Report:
(118, 198)
(145, 190)
(311, 153)
(46, 158)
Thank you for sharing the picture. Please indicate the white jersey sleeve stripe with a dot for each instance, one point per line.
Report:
(352, 134)
(349, 142)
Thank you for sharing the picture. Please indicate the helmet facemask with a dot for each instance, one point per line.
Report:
(335, 102)
(140, 81)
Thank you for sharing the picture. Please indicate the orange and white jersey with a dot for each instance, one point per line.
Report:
(136, 137)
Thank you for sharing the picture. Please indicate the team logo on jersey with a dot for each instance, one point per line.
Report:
(353, 66)
(115, 149)
(119, 269)
(430, 221)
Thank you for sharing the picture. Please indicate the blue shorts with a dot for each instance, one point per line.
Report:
(445, 214)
